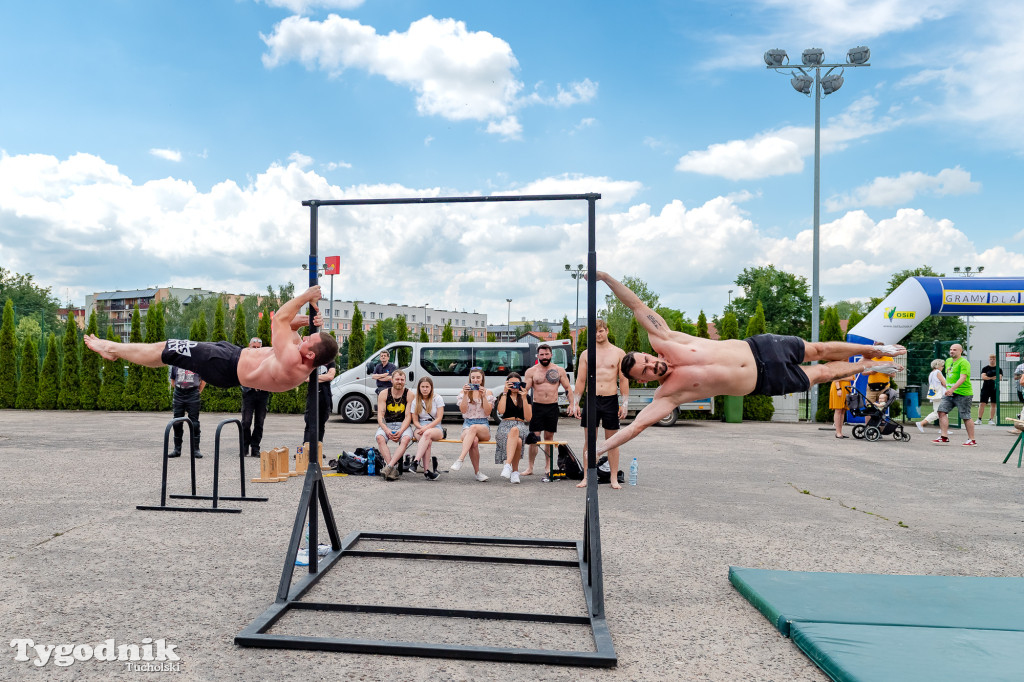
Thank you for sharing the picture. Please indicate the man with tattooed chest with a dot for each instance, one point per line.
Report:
(545, 378)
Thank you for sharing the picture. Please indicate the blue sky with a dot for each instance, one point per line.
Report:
(170, 144)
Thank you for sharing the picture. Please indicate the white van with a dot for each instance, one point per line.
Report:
(354, 391)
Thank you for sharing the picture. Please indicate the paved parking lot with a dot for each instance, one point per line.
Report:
(81, 565)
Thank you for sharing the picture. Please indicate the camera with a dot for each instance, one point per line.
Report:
(474, 387)
(516, 385)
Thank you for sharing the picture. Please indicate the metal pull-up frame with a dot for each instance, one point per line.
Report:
(314, 495)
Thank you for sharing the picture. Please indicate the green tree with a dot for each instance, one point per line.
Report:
(730, 328)
(846, 308)
(202, 329)
(70, 395)
(492, 337)
(783, 295)
(543, 327)
(49, 377)
(702, 326)
(520, 331)
(581, 341)
(618, 316)
(855, 317)
(356, 340)
(8, 358)
(757, 407)
(29, 299)
(239, 335)
(112, 389)
(423, 335)
(215, 398)
(90, 391)
(401, 329)
(566, 331)
(378, 337)
(219, 330)
(632, 343)
(131, 398)
(263, 328)
(28, 386)
(446, 334)
(342, 356)
(830, 330)
(153, 385)
(27, 326)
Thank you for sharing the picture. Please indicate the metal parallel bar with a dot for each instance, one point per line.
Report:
(526, 561)
(163, 507)
(216, 453)
(163, 475)
(233, 498)
(467, 539)
(442, 613)
(451, 200)
(453, 651)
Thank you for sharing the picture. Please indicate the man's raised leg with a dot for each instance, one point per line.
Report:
(830, 371)
(841, 350)
(145, 354)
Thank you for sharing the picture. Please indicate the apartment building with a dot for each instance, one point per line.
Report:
(432, 320)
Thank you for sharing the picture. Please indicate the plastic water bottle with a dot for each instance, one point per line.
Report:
(307, 535)
(633, 470)
(371, 463)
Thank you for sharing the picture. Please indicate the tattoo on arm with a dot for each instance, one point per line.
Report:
(654, 320)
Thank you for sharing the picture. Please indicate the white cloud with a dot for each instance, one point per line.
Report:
(81, 224)
(335, 165)
(781, 152)
(302, 6)
(886, 191)
(456, 73)
(167, 154)
(300, 159)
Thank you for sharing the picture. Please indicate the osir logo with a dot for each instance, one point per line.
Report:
(892, 313)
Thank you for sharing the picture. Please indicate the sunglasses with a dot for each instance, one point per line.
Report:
(474, 369)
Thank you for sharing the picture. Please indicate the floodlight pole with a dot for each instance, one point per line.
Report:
(816, 241)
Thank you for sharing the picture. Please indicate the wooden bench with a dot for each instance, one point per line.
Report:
(549, 443)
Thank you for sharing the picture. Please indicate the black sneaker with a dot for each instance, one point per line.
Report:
(174, 453)
(198, 455)
(431, 475)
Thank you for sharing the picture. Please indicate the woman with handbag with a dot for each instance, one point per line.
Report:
(936, 389)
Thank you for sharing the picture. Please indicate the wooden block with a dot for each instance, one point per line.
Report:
(268, 468)
(284, 463)
(319, 452)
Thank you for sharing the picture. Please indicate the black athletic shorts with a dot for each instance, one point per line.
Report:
(545, 417)
(988, 392)
(216, 363)
(778, 361)
(607, 411)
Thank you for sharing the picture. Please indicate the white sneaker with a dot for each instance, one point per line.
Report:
(506, 471)
(481, 476)
(456, 465)
(920, 426)
(515, 477)
(991, 422)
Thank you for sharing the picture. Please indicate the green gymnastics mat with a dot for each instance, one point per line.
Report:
(895, 627)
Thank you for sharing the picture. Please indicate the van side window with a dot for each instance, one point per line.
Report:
(446, 362)
(500, 361)
(560, 357)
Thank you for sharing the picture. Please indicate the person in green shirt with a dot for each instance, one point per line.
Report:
(959, 394)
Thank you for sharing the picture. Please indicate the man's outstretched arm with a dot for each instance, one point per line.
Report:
(658, 409)
(648, 319)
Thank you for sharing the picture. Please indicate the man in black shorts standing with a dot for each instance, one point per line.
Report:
(690, 368)
(610, 382)
(545, 378)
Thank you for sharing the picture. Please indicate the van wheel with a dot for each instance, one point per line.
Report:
(669, 419)
(355, 409)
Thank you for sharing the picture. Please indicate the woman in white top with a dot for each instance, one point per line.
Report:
(475, 402)
(427, 413)
(936, 389)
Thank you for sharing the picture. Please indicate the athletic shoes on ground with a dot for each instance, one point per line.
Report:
(506, 471)
(991, 422)
(481, 476)
(920, 426)
(941, 440)
(198, 454)
(515, 477)
(456, 465)
(431, 475)
(971, 444)
(174, 453)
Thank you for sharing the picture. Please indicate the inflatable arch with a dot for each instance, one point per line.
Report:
(918, 297)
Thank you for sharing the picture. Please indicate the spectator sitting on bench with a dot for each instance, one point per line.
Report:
(427, 411)
(475, 402)
(393, 419)
(515, 412)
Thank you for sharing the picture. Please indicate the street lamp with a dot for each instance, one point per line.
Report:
(966, 272)
(508, 319)
(730, 297)
(813, 59)
(577, 273)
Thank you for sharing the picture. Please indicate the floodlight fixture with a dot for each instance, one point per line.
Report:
(831, 83)
(802, 83)
(813, 56)
(981, 268)
(776, 58)
(956, 268)
(858, 55)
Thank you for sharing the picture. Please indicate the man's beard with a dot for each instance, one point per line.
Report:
(544, 361)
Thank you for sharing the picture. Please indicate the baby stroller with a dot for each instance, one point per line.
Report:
(876, 423)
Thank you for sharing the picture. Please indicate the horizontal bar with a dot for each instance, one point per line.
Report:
(479, 558)
(467, 539)
(215, 510)
(427, 650)
(452, 200)
(234, 498)
(442, 613)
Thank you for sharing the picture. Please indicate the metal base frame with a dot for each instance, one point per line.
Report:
(215, 497)
(314, 495)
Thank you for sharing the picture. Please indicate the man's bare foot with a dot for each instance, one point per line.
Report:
(615, 485)
(103, 347)
(528, 472)
(891, 351)
(582, 484)
(890, 368)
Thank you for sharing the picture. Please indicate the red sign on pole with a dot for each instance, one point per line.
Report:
(1013, 356)
(332, 265)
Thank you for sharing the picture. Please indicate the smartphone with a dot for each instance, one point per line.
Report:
(516, 385)
(474, 387)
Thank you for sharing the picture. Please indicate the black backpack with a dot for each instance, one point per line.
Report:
(355, 463)
(568, 462)
(604, 471)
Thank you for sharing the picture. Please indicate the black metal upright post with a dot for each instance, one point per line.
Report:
(592, 521)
